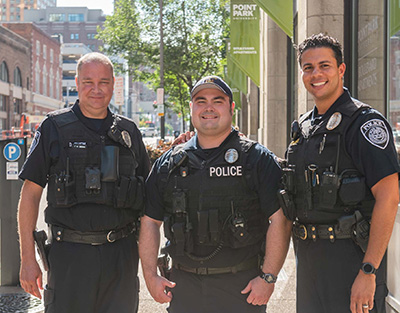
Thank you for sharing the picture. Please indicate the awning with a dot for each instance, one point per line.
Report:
(281, 11)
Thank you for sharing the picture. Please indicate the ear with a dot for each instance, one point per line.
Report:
(190, 107)
(76, 83)
(232, 107)
(342, 70)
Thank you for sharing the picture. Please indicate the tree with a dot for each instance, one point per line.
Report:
(194, 42)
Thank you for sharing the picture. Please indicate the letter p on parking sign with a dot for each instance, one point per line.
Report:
(11, 152)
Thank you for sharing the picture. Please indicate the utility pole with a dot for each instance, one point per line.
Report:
(162, 119)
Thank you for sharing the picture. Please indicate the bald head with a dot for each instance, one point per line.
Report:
(94, 57)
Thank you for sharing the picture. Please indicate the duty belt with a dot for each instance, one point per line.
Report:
(317, 231)
(91, 238)
(244, 266)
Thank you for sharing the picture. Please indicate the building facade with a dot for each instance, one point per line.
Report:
(74, 24)
(13, 10)
(14, 78)
(44, 69)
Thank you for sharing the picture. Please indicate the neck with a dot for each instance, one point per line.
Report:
(323, 105)
(212, 141)
(101, 114)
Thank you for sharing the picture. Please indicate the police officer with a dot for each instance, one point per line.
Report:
(93, 162)
(216, 195)
(341, 190)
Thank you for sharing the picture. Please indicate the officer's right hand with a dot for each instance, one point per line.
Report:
(157, 287)
(182, 138)
(30, 277)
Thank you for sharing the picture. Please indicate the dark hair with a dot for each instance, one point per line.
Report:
(318, 41)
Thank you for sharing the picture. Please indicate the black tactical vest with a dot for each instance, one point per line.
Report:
(212, 202)
(325, 183)
(92, 168)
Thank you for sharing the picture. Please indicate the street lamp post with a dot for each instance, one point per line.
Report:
(162, 119)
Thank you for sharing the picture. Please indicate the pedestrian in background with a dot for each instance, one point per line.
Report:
(217, 198)
(93, 163)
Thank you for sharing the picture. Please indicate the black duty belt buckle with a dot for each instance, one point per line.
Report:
(109, 239)
(202, 271)
(304, 229)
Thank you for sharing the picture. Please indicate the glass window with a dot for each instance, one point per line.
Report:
(75, 17)
(57, 17)
(51, 55)
(44, 81)
(17, 106)
(44, 52)
(37, 78)
(4, 72)
(3, 103)
(394, 75)
(3, 123)
(37, 47)
(17, 77)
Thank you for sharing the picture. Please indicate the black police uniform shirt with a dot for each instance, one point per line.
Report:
(266, 175)
(374, 157)
(44, 153)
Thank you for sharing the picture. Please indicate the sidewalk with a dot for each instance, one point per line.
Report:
(15, 300)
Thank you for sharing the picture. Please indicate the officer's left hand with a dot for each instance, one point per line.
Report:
(260, 291)
(362, 292)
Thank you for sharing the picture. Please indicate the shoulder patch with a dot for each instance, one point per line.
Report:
(34, 144)
(376, 133)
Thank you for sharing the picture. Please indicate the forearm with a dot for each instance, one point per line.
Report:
(149, 243)
(277, 243)
(386, 195)
(28, 210)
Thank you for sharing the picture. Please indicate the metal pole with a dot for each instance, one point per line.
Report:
(162, 120)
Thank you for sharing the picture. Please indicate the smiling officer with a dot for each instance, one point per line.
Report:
(341, 189)
(216, 195)
(93, 163)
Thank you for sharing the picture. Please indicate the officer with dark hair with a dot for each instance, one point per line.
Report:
(93, 163)
(216, 195)
(340, 189)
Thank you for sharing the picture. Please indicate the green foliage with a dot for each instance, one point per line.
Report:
(194, 42)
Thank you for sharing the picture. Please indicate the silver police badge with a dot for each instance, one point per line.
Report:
(231, 155)
(376, 133)
(334, 121)
(126, 138)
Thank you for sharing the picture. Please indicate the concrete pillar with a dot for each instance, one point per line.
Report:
(276, 108)
(371, 55)
(253, 113)
(243, 124)
(317, 16)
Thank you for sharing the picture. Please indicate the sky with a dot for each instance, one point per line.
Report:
(105, 5)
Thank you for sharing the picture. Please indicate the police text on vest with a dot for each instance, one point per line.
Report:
(224, 171)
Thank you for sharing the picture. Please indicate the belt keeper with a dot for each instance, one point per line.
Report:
(314, 234)
(331, 234)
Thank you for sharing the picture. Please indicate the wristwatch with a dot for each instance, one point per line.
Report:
(368, 268)
(269, 278)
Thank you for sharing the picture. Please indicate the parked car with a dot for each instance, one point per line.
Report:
(148, 131)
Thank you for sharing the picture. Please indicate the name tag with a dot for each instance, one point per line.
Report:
(226, 171)
(77, 145)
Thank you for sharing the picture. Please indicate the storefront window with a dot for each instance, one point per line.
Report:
(394, 73)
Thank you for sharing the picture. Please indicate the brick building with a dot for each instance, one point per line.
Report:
(45, 68)
(14, 77)
(74, 24)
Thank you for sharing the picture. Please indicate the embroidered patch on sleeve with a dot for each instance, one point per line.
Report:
(34, 143)
(376, 133)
